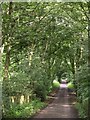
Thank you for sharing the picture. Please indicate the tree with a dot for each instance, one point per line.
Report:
(40, 41)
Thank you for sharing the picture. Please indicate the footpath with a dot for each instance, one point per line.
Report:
(61, 107)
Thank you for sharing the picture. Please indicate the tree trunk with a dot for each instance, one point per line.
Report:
(89, 58)
(72, 64)
(5, 90)
(89, 34)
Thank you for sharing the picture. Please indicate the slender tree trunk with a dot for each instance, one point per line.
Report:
(89, 34)
(5, 80)
(0, 70)
(72, 64)
(7, 62)
(7, 59)
(6, 99)
(89, 58)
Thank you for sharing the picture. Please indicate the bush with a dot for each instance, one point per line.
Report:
(82, 109)
(40, 91)
(83, 94)
(24, 110)
(70, 85)
(56, 84)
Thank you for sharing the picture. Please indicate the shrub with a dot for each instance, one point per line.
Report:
(56, 84)
(24, 110)
(40, 91)
(70, 85)
(83, 94)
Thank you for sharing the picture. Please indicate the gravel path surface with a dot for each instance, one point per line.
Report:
(61, 107)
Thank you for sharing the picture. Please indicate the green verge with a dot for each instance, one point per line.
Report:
(25, 110)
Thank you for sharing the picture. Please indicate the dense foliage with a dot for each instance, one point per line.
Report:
(42, 41)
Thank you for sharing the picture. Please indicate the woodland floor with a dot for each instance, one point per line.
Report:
(61, 107)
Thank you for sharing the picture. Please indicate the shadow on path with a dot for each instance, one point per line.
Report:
(61, 107)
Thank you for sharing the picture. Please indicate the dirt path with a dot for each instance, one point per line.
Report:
(61, 107)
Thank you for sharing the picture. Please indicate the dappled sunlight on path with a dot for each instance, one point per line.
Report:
(61, 107)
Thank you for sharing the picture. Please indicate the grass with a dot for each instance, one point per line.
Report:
(25, 110)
